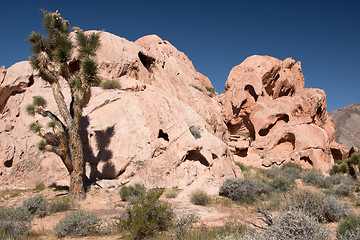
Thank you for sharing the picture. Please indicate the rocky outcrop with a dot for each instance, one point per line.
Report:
(166, 126)
(158, 129)
(347, 120)
(272, 118)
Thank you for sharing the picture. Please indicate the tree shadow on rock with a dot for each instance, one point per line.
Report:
(104, 155)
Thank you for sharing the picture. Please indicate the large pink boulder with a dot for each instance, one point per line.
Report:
(272, 118)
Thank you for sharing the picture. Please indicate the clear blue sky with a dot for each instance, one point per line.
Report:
(217, 35)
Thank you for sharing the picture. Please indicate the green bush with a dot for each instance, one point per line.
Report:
(210, 89)
(36, 205)
(242, 189)
(338, 178)
(128, 192)
(147, 216)
(197, 88)
(282, 184)
(316, 178)
(184, 224)
(349, 228)
(296, 224)
(199, 197)
(171, 193)
(78, 223)
(291, 170)
(344, 189)
(14, 223)
(110, 84)
(334, 209)
(61, 204)
(309, 202)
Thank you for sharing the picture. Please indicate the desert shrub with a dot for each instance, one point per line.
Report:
(78, 223)
(242, 189)
(344, 189)
(171, 193)
(184, 224)
(199, 197)
(291, 170)
(296, 224)
(334, 209)
(197, 88)
(110, 84)
(273, 172)
(316, 178)
(39, 187)
(36, 205)
(147, 216)
(61, 204)
(128, 192)
(309, 202)
(282, 184)
(349, 228)
(14, 223)
(337, 178)
(210, 89)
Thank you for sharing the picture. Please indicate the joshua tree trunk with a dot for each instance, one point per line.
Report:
(52, 60)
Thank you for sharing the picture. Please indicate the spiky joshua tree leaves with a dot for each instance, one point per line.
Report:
(53, 60)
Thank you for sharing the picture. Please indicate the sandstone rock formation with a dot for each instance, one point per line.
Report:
(158, 129)
(347, 120)
(272, 118)
(166, 126)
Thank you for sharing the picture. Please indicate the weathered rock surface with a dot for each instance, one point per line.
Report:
(347, 121)
(157, 129)
(272, 118)
(166, 127)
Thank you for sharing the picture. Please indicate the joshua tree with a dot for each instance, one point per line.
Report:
(53, 60)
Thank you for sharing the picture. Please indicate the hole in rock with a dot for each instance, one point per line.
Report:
(163, 135)
(31, 81)
(306, 159)
(281, 117)
(146, 60)
(241, 153)
(251, 91)
(336, 153)
(8, 163)
(214, 156)
(319, 112)
(195, 155)
(288, 138)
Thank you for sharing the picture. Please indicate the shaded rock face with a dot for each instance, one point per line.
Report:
(272, 118)
(157, 129)
(347, 120)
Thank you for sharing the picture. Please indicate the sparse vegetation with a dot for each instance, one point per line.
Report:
(37, 206)
(197, 88)
(200, 197)
(316, 178)
(184, 224)
(61, 204)
(14, 223)
(349, 166)
(78, 223)
(110, 84)
(147, 216)
(349, 228)
(171, 193)
(132, 192)
(296, 224)
(210, 89)
(242, 189)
